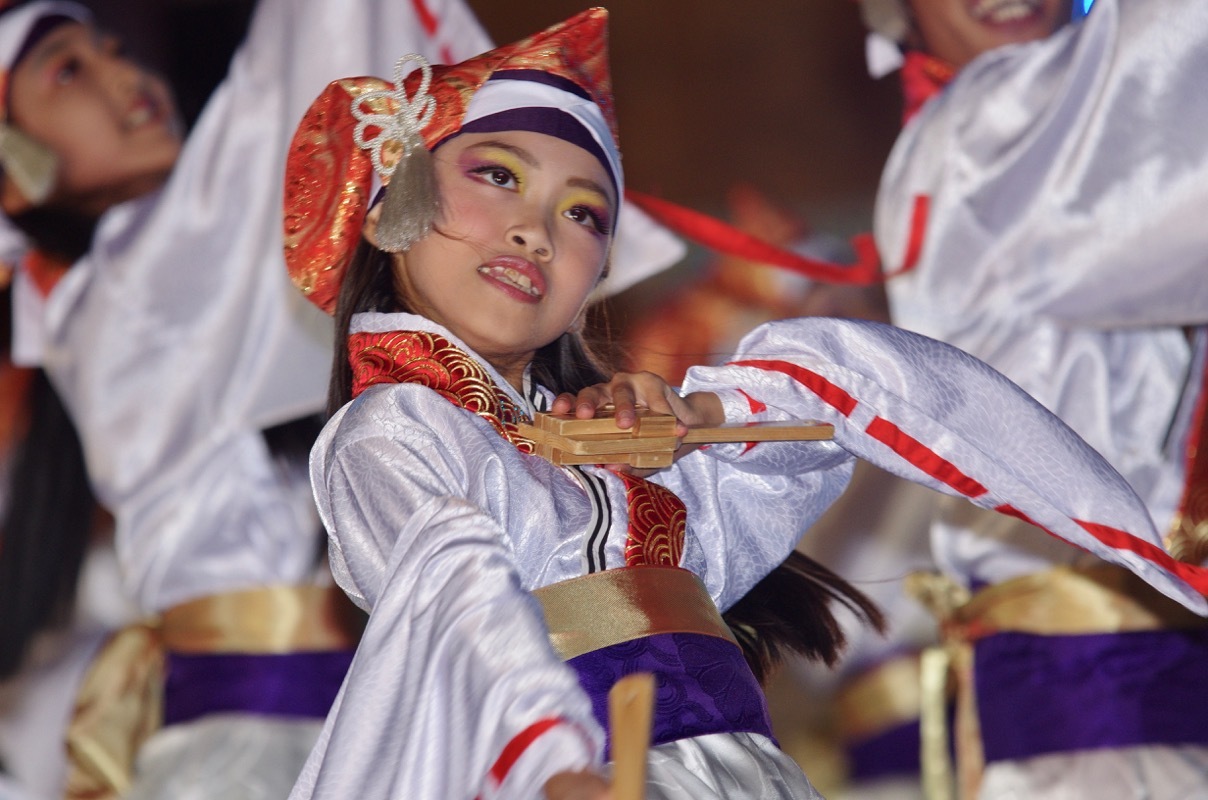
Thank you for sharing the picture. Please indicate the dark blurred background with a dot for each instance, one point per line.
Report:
(708, 93)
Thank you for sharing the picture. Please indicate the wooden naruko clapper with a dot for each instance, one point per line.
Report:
(651, 443)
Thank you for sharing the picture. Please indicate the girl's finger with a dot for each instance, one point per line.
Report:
(563, 403)
(591, 400)
(624, 401)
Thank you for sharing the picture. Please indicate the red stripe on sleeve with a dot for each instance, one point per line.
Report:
(1196, 577)
(918, 227)
(757, 406)
(516, 747)
(843, 402)
(426, 18)
(1123, 540)
(923, 457)
(1012, 511)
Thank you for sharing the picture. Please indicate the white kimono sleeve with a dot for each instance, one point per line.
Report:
(1066, 178)
(179, 336)
(455, 691)
(748, 508)
(931, 413)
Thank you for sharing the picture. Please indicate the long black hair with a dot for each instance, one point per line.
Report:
(46, 526)
(50, 509)
(789, 611)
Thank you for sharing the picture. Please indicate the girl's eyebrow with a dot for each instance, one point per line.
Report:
(50, 47)
(519, 152)
(590, 185)
(60, 41)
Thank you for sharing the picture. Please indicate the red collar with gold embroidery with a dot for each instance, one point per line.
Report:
(431, 360)
(923, 77)
(657, 518)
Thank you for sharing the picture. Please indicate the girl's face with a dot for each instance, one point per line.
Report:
(112, 125)
(521, 240)
(958, 31)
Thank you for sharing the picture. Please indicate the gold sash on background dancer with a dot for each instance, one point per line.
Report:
(879, 699)
(120, 701)
(1059, 602)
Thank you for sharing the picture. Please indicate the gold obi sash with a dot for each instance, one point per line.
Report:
(879, 699)
(1062, 601)
(120, 701)
(619, 605)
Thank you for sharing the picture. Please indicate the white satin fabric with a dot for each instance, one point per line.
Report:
(36, 703)
(224, 756)
(1128, 773)
(1066, 246)
(179, 337)
(438, 527)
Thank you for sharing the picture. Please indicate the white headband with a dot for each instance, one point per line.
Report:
(17, 23)
(500, 95)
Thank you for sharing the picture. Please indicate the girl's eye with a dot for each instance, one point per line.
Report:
(497, 176)
(67, 71)
(588, 217)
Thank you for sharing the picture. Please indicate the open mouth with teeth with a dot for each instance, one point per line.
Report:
(1005, 12)
(147, 109)
(511, 277)
(140, 116)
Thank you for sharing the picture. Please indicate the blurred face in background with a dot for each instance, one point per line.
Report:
(112, 125)
(957, 31)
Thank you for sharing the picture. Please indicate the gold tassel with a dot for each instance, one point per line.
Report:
(29, 164)
(410, 205)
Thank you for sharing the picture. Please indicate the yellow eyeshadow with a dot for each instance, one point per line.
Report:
(586, 197)
(496, 155)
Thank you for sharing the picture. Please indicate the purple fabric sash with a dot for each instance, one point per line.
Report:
(1052, 694)
(286, 684)
(891, 752)
(702, 685)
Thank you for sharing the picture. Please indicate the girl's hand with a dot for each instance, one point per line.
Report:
(628, 392)
(577, 786)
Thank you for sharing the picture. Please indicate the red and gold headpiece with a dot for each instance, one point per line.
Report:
(555, 82)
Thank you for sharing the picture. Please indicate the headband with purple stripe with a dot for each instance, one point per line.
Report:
(541, 102)
(23, 26)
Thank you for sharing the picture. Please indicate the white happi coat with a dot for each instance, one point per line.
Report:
(1064, 243)
(439, 526)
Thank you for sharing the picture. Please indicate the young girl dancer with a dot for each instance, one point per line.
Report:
(484, 567)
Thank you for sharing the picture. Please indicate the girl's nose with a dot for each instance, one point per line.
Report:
(538, 249)
(120, 73)
(533, 234)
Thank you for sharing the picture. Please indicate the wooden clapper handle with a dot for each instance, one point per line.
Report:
(630, 711)
(651, 442)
